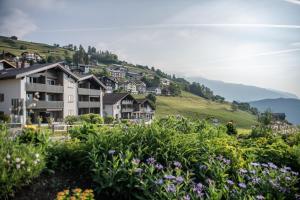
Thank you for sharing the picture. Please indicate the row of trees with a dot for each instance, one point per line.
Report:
(245, 107)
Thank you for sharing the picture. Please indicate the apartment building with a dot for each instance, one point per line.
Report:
(48, 91)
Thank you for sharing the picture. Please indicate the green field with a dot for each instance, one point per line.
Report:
(13, 46)
(195, 107)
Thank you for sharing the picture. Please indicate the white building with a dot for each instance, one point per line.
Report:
(48, 91)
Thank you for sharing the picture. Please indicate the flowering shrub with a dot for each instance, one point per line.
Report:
(19, 164)
(76, 194)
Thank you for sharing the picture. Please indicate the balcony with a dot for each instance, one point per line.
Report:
(44, 104)
(88, 104)
(39, 87)
(86, 91)
(127, 110)
(126, 102)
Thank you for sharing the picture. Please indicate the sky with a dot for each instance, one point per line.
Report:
(254, 42)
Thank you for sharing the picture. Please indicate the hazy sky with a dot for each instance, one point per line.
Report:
(254, 42)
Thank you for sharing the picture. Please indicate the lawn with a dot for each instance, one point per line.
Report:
(192, 106)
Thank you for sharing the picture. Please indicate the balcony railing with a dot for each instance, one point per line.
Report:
(126, 102)
(127, 110)
(39, 87)
(44, 104)
(86, 91)
(88, 104)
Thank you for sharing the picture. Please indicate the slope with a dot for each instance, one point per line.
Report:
(192, 106)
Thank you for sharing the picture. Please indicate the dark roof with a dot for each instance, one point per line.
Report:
(142, 101)
(112, 98)
(21, 72)
(91, 76)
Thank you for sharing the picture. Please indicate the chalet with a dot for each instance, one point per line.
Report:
(9, 56)
(144, 110)
(117, 71)
(118, 105)
(81, 69)
(129, 86)
(154, 90)
(110, 83)
(141, 87)
(134, 75)
(31, 56)
(165, 81)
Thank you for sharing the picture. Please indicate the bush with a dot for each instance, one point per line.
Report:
(92, 118)
(231, 130)
(34, 136)
(4, 118)
(108, 120)
(19, 164)
(70, 120)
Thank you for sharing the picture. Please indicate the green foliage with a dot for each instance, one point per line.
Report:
(92, 118)
(151, 97)
(4, 118)
(71, 119)
(231, 129)
(108, 120)
(35, 137)
(19, 164)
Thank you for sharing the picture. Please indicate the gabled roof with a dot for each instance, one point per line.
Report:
(21, 72)
(113, 98)
(142, 101)
(91, 76)
(9, 63)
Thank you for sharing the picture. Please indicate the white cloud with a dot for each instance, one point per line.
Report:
(16, 23)
(293, 1)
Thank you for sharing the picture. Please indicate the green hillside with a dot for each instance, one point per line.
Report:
(18, 46)
(192, 106)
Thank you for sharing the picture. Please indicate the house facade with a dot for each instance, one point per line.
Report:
(154, 90)
(141, 87)
(48, 91)
(110, 83)
(117, 71)
(129, 86)
(144, 111)
(118, 105)
(31, 56)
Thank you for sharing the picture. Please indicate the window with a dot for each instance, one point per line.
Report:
(1, 97)
(32, 79)
(71, 99)
(51, 81)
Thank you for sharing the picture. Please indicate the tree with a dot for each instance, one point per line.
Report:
(234, 107)
(231, 130)
(50, 59)
(14, 37)
(151, 97)
(174, 89)
(265, 118)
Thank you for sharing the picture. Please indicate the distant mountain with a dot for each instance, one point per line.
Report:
(291, 107)
(240, 92)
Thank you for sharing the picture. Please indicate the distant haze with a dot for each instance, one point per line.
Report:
(254, 42)
(240, 92)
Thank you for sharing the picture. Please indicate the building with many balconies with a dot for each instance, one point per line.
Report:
(48, 91)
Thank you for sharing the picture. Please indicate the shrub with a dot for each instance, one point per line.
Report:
(71, 119)
(231, 130)
(108, 120)
(19, 164)
(34, 136)
(76, 194)
(4, 118)
(92, 118)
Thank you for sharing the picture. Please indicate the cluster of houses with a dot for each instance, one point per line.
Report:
(56, 91)
(120, 77)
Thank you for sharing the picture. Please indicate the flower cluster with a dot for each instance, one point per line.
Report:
(75, 194)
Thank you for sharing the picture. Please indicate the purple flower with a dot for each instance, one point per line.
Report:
(171, 188)
(186, 197)
(169, 177)
(111, 152)
(242, 185)
(255, 164)
(265, 165)
(243, 171)
(198, 189)
(159, 182)
(295, 173)
(287, 168)
(136, 161)
(159, 166)
(226, 161)
(177, 164)
(138, 170)
(252, 171)
(288, 178)
(151, 161)
(230, 182)
(179, 179)
(256, 180)
(260, 197)
(272, 165)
